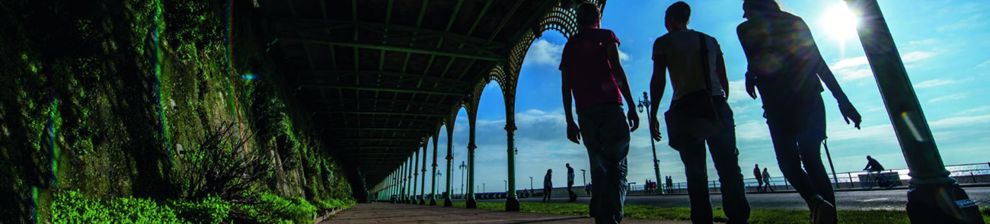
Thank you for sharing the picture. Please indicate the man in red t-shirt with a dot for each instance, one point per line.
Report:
(590, 70)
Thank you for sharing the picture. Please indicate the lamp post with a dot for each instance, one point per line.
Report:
(462, 167)
(530, 184)
(644, 104)
(506, 185)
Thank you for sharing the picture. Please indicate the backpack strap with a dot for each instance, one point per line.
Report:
(705, 63)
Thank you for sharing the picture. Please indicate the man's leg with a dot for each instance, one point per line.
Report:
(590, 122)
(609, 160)
(696, 171)
(789, 161)
(809, 146)
(725, 155)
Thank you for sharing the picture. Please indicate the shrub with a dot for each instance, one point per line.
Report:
(221, 166)
(207, 210)
(73, 207)
(331, 204)
(271, 208)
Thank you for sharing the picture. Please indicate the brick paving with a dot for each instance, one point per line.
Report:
(404, 213)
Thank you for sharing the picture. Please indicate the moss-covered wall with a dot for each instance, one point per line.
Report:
(102, 97)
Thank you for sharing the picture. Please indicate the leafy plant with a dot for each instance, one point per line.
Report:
(211, 209)
(73, 207)
(271, 208)
(222, 166)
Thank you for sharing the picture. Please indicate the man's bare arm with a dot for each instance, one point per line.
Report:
(622, 81)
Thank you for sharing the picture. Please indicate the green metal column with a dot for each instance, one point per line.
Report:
(415, 177)
(471, 202)
(422, 181)
(404, 195)
(934, 197)
(447, 202)
(511, 201)
(433, 184)
(408, 182)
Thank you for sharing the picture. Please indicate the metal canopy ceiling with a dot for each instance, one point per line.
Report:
(381, 76)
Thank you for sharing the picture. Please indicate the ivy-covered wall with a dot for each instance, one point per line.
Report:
(104, 97)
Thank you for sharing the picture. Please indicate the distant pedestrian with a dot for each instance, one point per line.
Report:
(547, 185)
(759, 178)
(766, 180)
(570, 183)
(699, 114)
(593, 79)
(670, 185)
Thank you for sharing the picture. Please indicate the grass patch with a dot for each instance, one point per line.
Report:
(682, 213)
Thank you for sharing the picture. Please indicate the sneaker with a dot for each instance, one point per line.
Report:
(822, 211)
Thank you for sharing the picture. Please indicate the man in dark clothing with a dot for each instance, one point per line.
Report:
(570, 183)
(788, 69)
(547, 185)
(697, 74)
(759, 178)
(670, 185)
(873, 165)
(592, 74)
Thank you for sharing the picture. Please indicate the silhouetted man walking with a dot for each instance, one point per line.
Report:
(547, 185)
(698, 114)
(570, 183)
(590, 70)
(788, 69)
(759, 178)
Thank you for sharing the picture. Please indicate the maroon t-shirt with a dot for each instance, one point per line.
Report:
(589, 72)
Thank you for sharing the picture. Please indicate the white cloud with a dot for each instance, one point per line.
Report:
(866, 134)
(958, 121)
(737, 91)
(850, 69)
(916, 56)
(544, 52)
(856, 68)
(934, 83)
(957, 96)
(623, 56)
(753, 131)
(984, 64)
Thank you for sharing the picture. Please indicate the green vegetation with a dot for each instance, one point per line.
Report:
(73, 207)
(681, 213)
(109, 109)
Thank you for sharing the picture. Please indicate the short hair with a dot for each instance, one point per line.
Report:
(587, 14)
(679, 12)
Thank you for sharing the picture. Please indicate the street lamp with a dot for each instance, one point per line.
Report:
(462, 167)
(645, 104)
(506, 185)
(530, 184)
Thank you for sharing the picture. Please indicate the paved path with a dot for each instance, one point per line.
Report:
(895, 199)
(403, 213)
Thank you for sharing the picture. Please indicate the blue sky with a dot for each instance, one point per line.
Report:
(942, 42)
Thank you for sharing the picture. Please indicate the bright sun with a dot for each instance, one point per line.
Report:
(840, 23)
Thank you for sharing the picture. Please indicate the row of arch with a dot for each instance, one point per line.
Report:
(401, 184)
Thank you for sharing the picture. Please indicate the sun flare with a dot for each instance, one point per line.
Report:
(839, 23)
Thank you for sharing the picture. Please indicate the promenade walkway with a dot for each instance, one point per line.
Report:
(404, 213)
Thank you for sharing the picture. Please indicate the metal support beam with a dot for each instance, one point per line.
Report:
(934, 197)
(447, 202)
(415, 179)
(422, 180)
(433, 184)
(373, 113)
(385, 89)
(471, 202)
(484, 56)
